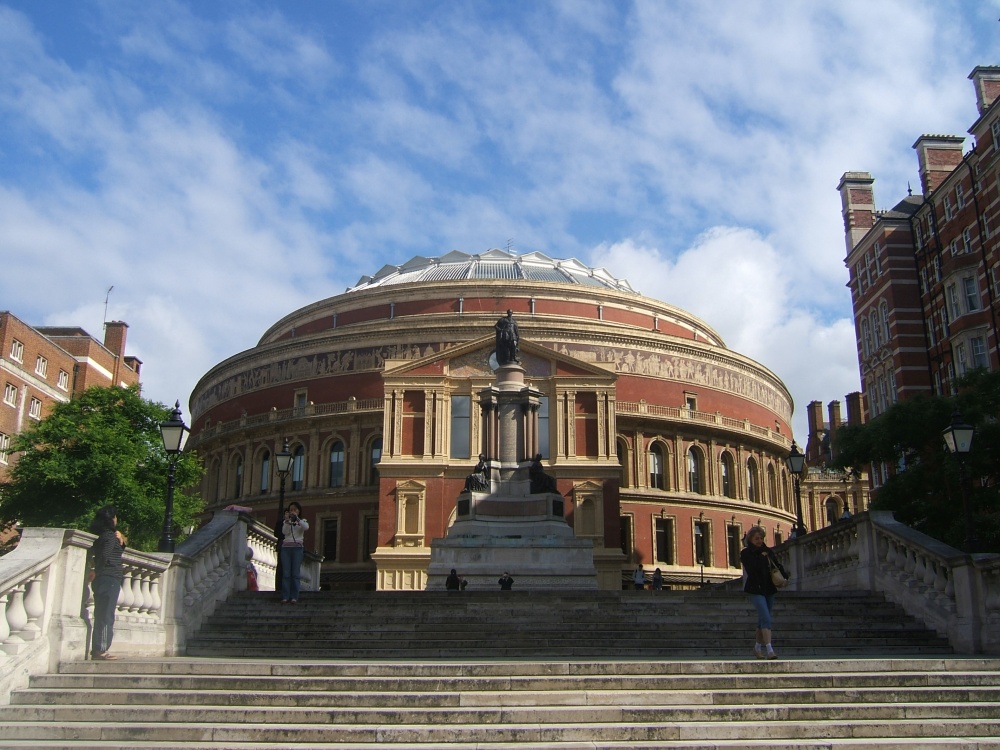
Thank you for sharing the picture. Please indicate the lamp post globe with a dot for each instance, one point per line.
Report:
(174, 434)
(958, 440)
(796, 463)
(283, 465)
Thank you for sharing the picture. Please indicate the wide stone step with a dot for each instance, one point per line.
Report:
(526, 734)
(188, 703)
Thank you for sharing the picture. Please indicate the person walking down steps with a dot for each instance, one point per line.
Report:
(757, 559)
(506, 582)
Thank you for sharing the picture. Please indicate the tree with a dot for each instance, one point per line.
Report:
(101, 448)
(923, 488)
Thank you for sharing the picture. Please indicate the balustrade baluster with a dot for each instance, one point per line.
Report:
(147, 599)
(17, 618)
(136, 586)
(125, 594)
(34, 608)
(155, 602)
(4, 627)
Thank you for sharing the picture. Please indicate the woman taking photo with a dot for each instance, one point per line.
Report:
(292, 551)
(757, 559)
(109, 572)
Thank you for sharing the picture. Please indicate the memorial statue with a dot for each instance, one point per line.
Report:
(507, 338)
(540, 481)
(478, 480)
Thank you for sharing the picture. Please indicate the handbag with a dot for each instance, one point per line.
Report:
(777, 577)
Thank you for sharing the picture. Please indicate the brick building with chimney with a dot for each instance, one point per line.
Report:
(923, 275)
(43, 366)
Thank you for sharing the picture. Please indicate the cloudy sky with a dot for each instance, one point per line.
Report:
(222, 164)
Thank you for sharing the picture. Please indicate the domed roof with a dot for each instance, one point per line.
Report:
(493, 264)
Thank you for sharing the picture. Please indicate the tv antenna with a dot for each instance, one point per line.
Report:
(106, 296)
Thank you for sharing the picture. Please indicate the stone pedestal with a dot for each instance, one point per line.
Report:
(510, 529)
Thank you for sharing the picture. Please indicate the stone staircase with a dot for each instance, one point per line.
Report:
(707, 623)
(526, 670)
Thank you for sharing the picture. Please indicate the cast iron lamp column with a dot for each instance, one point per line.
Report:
(958, 440)
(796, 462)
(283, 463)
(174, 434)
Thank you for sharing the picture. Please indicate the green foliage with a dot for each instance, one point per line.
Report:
(101, 448)
(926, 492)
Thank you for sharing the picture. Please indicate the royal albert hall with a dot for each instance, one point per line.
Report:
(665, 444)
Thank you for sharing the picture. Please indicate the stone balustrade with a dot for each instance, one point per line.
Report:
(955, 593)
(46, 605)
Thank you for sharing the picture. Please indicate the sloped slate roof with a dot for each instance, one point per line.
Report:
(493, 264)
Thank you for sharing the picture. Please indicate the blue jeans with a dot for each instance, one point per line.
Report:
(763, 604)
(106, 590)
(291, 561)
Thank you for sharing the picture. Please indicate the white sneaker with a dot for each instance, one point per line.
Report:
(758, 651)
(771, 654)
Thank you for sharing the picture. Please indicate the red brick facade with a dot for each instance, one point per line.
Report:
(666, 445)
(40, 367)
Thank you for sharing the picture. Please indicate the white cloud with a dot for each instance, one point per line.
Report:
(733, 280)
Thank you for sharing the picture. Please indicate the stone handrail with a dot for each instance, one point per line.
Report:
(954, 593)
(46, 605)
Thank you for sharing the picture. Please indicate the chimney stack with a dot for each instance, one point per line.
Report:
(937, 157)
(858, 201)
(986, 79)
(854, 414)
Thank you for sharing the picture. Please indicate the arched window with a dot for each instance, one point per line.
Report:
(883, 314)
(753, 481)
(238, 477)
(866, 338)
(695, 481)
(727, 474)
(299, 468)
(772, 487)
(623, 461)
(876, 329)
(265, 471)
(337, 464)
(656, 479)
(374, 456)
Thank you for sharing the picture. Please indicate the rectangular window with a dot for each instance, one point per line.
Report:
(953, 246)
(948, 210)
(461, 424)
(665, 541)
(16, 350)
(35, 409)
(625, 528)
(995, 130)
(63, 381)
(329, 540)
(971, 289)
(41, 365)
(953, 309)
(371, 537)
(967, 240)
(960, 355)
(10, 395)
(543, 426)
(702, 552)
(733, 545)
(979, 357)
(4, 447)
(959, 195)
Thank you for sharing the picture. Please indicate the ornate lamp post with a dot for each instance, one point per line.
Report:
(174, 434)
(795, 462)
(283, 463)
(958, 440)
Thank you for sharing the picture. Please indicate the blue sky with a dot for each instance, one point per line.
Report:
(222, 164)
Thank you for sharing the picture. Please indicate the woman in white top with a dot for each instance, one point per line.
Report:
(292, 550)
